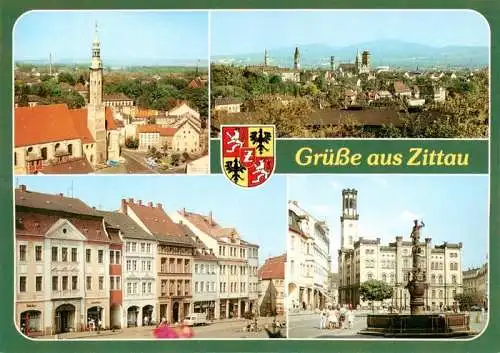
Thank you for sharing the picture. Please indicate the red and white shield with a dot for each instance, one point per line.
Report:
(248, 153)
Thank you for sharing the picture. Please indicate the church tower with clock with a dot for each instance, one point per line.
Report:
(349, 219)
(96, 118)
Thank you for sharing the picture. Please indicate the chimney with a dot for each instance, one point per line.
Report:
(123, 206)
(183, 211)
(159, 205)
(22, 187)
(150, 204)
(210, 218)
(139, 202)
(61, 194)
(131, 200)
(93, 207)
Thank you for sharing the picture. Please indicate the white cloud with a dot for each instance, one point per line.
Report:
(335, 185)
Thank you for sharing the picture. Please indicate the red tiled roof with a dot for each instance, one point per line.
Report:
(111, 125)
(42, 124)
(74, 166)
(80, 87)
(273, 268)
(400, 87)
(54, 122)
(155, 219)
(32, 207)
(196, 83)
(79, 117)
(202, 223)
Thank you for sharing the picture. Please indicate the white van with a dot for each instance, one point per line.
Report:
(196, 319)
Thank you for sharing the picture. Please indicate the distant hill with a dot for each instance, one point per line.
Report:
(122, 62)
(392, 53)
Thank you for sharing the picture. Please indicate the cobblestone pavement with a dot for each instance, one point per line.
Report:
(218, 329)
(306, 325)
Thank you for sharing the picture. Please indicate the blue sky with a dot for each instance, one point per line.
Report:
(258, 214)
(278, 29)
(132, 36)
(454, 208)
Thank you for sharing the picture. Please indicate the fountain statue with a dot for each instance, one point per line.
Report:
(419, 323)
(417, 278)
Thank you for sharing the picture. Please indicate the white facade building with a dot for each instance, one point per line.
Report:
(232, 255)
(138, 269)
(308, 260)
(363, 259)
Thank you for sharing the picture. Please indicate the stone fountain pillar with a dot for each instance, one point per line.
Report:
(417, 283)
(418, 324)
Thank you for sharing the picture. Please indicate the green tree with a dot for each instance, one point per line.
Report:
(66, 77)
(81, 79)
(175, 159)
(465, 300)
(347, 127)
(288, 118)
(275, 79)
(374, 290)
(132, 143)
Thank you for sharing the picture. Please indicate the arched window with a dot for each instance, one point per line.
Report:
(440, 279)
(44, 153)
(384, 277)
(433, 279)
(369, 276)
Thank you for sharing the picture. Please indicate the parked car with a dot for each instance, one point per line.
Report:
(196, 319)
(475, 308)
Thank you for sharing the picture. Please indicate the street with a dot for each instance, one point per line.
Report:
(306, 325)
(218, 329)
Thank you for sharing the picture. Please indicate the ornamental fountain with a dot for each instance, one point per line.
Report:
(418, 323)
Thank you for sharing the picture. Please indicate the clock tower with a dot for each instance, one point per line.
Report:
(349, 219)
(96, 118)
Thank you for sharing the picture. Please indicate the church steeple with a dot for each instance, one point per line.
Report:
(96, 51)
(296, 59)
(265, 57)
(96, 120)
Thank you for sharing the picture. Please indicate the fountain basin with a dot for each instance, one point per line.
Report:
(418, 326)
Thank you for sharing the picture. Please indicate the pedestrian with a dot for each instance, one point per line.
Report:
(322, 321)
(350, 318)
(333, 319)
(99, 324)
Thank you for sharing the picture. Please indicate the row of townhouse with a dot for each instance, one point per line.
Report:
(308, 260)
(76, 264)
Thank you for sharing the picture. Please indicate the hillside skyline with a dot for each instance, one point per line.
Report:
(395, 53)
(340, 28)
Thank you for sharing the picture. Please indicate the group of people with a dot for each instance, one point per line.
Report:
(337, 317)
(94, 325)
(164, 331)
